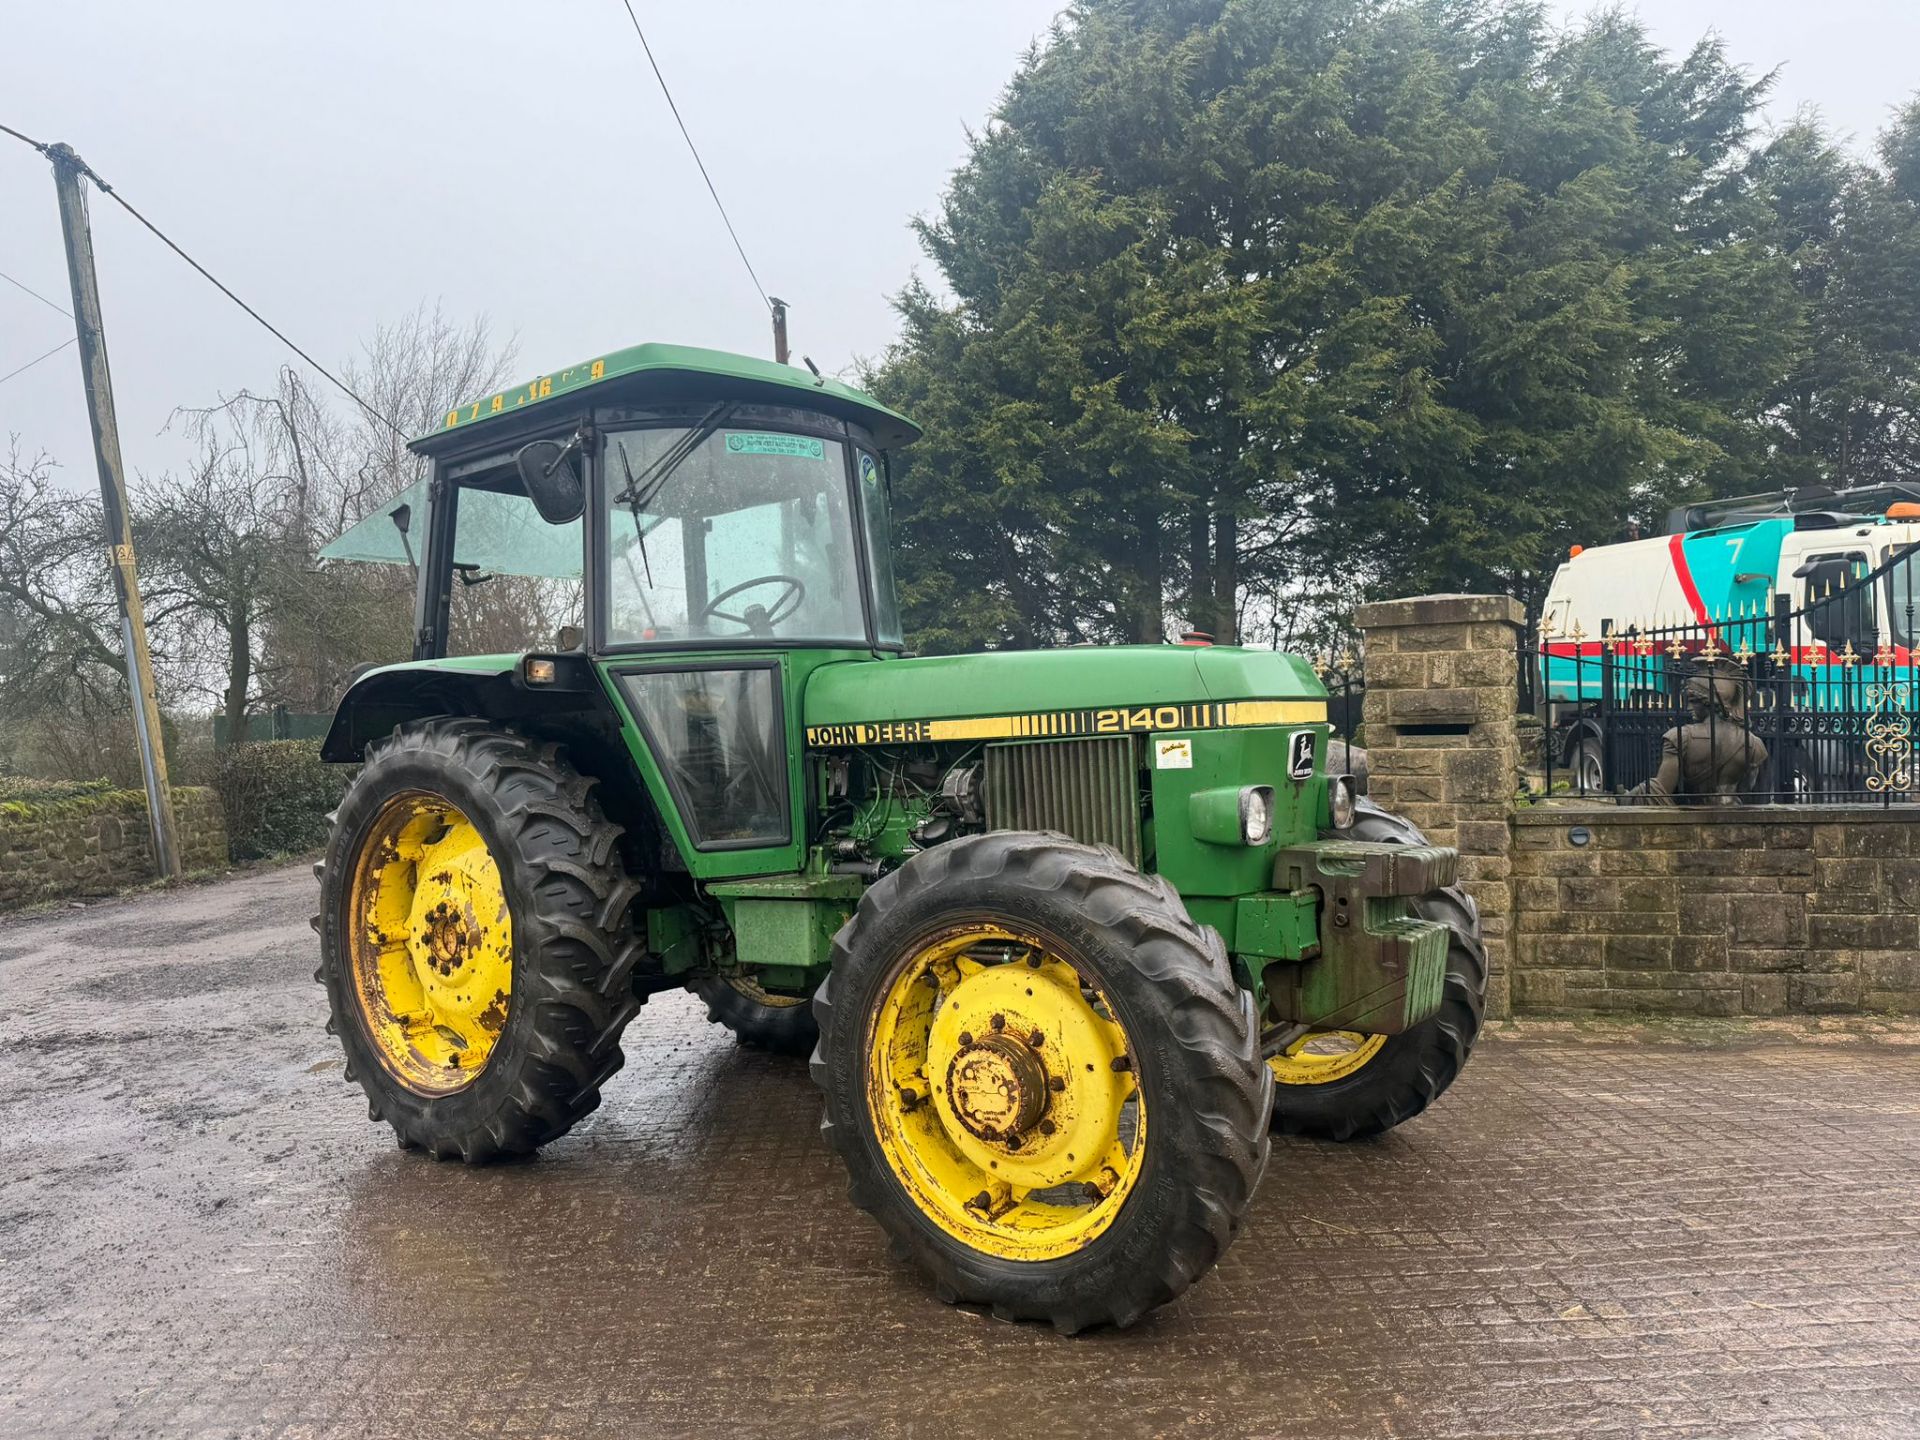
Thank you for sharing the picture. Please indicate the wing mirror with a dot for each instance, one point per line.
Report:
(550, 474)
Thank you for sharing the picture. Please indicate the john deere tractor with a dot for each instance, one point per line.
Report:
(1067, 933)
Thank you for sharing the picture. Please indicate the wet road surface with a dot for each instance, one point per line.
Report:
(201, 1235)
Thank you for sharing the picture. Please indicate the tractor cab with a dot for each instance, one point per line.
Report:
(655, 548)
(659, 498)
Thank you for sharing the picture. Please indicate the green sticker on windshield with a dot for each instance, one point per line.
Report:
(800, 446)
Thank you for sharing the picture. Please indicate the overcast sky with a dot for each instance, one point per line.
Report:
(337, 164)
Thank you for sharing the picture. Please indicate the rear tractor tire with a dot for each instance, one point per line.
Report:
(476, 946)
(759, 1018)
(1339, 1085)
(1043, 1079)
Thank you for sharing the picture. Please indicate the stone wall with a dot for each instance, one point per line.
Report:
(1442, 743)
(1742, 910)
(1760, 910)
(97, 844)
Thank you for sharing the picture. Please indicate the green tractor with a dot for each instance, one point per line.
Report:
(1068, 934)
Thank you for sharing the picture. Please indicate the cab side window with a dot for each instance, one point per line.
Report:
(516, 580)
(1839, 608)
(716, 735)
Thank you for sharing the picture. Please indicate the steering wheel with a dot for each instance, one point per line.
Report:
(760, 619)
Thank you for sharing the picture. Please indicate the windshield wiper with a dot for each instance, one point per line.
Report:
(625, 497)
(639, 492)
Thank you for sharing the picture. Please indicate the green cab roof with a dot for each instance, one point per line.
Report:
(677, 370)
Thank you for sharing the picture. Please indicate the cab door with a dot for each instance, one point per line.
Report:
(731, 572)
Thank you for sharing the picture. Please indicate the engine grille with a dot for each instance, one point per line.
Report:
(1089, 789)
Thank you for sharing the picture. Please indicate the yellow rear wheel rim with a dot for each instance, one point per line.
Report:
(430, 944)
(1002, 1091)
(1323, 1056)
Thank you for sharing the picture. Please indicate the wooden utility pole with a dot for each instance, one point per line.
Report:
(69, 173)
(779, 307)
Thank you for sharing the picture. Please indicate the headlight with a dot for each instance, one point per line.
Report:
(1341, 800)
(1256, 814)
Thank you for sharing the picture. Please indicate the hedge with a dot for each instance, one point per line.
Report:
(276, 795)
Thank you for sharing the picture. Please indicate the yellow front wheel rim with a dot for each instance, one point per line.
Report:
(1003, 1093)
(756, 992)
(431, 944)
(1323, 1056)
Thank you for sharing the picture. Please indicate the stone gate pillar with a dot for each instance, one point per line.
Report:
(1442, 744)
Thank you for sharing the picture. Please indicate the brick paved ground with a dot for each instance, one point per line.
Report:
(200, 1235)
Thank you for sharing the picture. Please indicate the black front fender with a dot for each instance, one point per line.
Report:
(381, 699)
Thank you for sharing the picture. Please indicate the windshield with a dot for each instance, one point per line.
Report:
(745, 534)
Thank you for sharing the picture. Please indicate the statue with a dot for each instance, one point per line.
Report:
(1714, 758)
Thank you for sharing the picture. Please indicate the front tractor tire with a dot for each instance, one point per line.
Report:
(759, 1018)
(1043, 1079)
(1338, 1085)
(475, 941)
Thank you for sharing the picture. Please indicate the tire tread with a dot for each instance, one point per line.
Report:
(1184, 977)
(574, 941)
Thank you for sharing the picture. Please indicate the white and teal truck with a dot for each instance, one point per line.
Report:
(1813, 592)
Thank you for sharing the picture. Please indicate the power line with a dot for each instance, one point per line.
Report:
(28, 138)
(724, 219)
(267, 325)
(37, 359)
(35, 294)
(67, 156)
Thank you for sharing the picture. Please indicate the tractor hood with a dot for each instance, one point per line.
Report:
(1086, 690)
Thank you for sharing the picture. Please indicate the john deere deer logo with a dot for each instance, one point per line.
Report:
(1300, 755)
